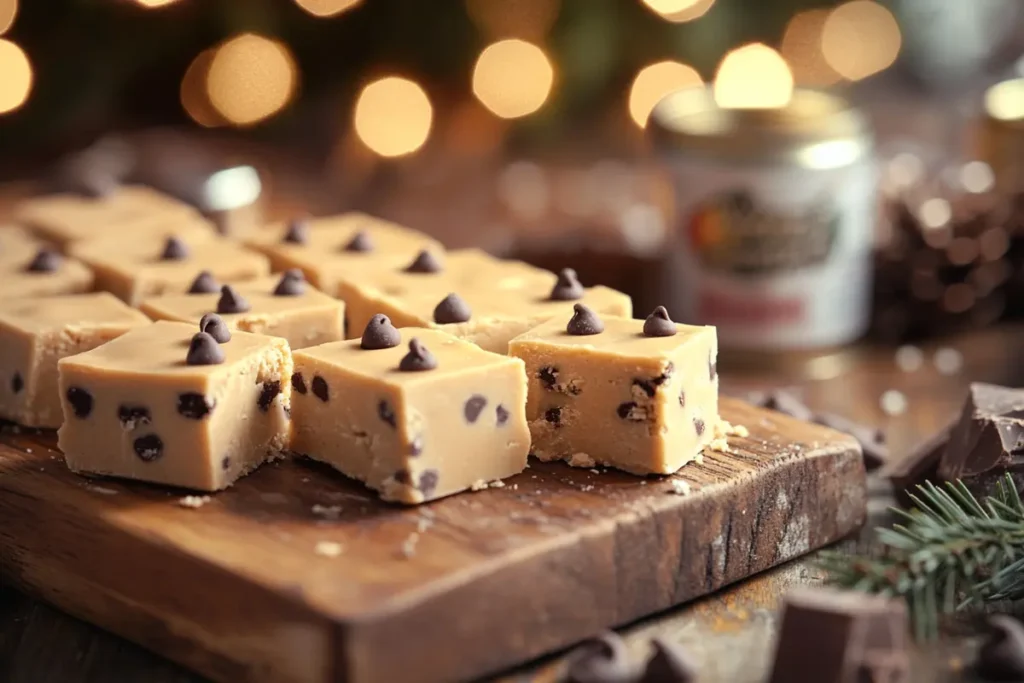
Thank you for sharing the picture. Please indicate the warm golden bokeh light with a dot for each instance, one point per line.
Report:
(679, 11)
(530, 19)
(801, 48)
(512, 78)
(393, 116)
(753, 76)
(860, 38)
(194, 97)
(150, 4)
(251, 78)
(326, 8)
(655, 81)
(15, 76)
(8, 11)
(1005, 101)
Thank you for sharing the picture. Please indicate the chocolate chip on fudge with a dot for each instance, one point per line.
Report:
(386, 413)
(567, 287)
(214, 325)
(380, 334)
(194, 406)
(174, 250)
(418, 359)
(320, 388)
(231, 301)
(204, 350)
(46, 260)
(299, 382)
(268, 393)
(474, 406)
(501, 415)
(148, 447)
(658, 324)
(292, 283)
(452, 309)
(133, 416)
(361, 242)
(204, 283)
(425, 262)
(584, 322)
(297, 231)
(80, 401)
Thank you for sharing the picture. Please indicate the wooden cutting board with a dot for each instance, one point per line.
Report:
(237, 589)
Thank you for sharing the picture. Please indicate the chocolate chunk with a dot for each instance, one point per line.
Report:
(548, 377)
(502, 415)
(603, 659)
(782, 401)
(204, 284)
(17, 383)
(650, 386)
(989, 435)
(267, 395)
(133, 416)
(871, 439)
(46, 260)
(204, 350)
(474, 405)
(416, 445)
(567, 287)
(297, 231)
(428, 482)
(917, 467)
(148, 447)
(698, 424)
(292, 283)
(80, 401)
(1001, 656)
(231, 301)
(625, 410)
(225, 463)
(452, 309)
(174, 250)
(418, 359)
(658, 324)
(668, 664)
(584, 322)
(554, 416)
(194, 406)
(380, 334)
(213, 325)
(298, 382)
(360, 242)
(425, 262)
(386, 413)
(320, 389)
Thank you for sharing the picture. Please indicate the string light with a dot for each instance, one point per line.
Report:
(679, 11)
(655, 81)
(522, 18)
(801, 48)
(250, 79)
(753, 76)
(8, 11)
(16, 83)
(326, 8)
(860, 38)
(194, 97)
(512, 78)
(393, 116)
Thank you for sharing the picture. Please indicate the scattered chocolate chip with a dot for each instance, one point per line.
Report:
(548, 377)
(204, 284)
(425, 262)
(360, 242)
(416, 445)
(80, 401)
(682, 398)
(194, 406)
(1001, 656)
(474, 405)
(428, 482)
(133, 416)
(204, 350)
(148, 447)
(45, 261)
(174, 250)
(385, 413)
(380, 334)
(658, 324)
(668, 664)
(567, 287)
(584, 322)
(698, 424)
(17, 383)
(297, 231)
(213, 325)
(225, 463)
(501, 412)
(418, 359)
(231, 301)
(268, 393)
(554, 416)
(452, 309)
(292, 283)
(625, 410)
(603, 659)
(298, 382)
(320, 389)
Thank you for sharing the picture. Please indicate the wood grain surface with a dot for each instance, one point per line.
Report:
(236, 590)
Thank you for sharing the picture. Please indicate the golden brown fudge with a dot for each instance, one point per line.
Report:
(168, 404)
(416, 416)
(638, 395)
(279, 305)
(42, 272)
(35, 333)
(140, 268)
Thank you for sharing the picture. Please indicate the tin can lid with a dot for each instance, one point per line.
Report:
(815, 130)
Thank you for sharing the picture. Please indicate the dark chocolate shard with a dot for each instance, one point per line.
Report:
(297, 231)
(418, 359)
(231, 301)
(174, 250)
(46, 260)
(989, 435)
(425, 262)
(204, 350)
(380, 334)
(658, 324)
(214, 325)
(204, 283)
(668, 664)
(871, 439)
(921, 464)
(584, 322)
(1001, 656)
(452, 309)
(292, 283)
(567, 287)
(603, 659)
(361, 242)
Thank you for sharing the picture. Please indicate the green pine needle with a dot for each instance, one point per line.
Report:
(950, 552)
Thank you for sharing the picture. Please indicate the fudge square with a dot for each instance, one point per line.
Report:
(36, 332)
(638, 395)
(415, 415)
(282, 306)
(169, 404)
(41, 271)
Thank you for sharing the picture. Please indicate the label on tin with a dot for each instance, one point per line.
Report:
(775, 258)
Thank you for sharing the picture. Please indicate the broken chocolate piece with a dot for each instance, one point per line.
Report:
(297, 231)
(204, 350)
(658, 324)
(204, 284)
(989, 435)
(45, 261)
(231, 301)
(452, 309)
(567, 287)
(584, 322)
(871, 439)
(174, 250)
(380, 334)
(1001, 656)
(360, 242)
(918, 466)
(418, 359)
(214, 325)
(668, 664)
(603, 659)
(292, 283)
(425, 262)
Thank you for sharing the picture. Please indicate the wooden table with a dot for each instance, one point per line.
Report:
(730, 634)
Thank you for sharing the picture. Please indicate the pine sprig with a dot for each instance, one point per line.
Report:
(949, 552)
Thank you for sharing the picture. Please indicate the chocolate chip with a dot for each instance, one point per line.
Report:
(658, 324)
(298, 382)
(567, 287)
(712, 369)
(297, 231)
(646, 385)
(380, 334)
(418, 359)
(650, 386)
(268, 393)
(360, 242)
(474, 405)
(225, 464)
(194, 406)
(668, 664)
(698, 424)
(428, 482)
(231, 301)
(554, 416)
(625, 410)
(682, 399)
(548, 377)
(204, 350)
(584, 322)
(174, 250)
(425, 262)
(17, 383)
(148, 447)
(45, 261)
(403, 477)
(133, 416)
(80, 401)
(603, 659)
(385, 413)
(502, 414)
(452, 309)
(204, 284)
(320, 389)
(416, 445)
(214, 325)
(292, 283)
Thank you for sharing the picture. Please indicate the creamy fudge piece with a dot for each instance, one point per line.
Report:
(415, 415)
(638, 395)
(42, 271)
(36, 332)
(169, 404)
(279, 305)
(135, 269)
(17, 244)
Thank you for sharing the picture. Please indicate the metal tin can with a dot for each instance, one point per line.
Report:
(775, 216)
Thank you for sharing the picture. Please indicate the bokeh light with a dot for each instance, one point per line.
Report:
(655, 81)
(152, 4)
(251, 78)
(512, 78)
(679, 11)
(326, 8)
(530, 19)
(860, 38)
(8, 11)
(801, 48)
(195, 99)
(16, 79)
(753, 76)
(1005, 101)
(393, 116)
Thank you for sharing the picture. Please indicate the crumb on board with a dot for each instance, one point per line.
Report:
(680, 487)
(193, 502)
(408, 548)
(480, 485)
(327, 511)
(700, 458)
(422, 524)
(581, 460)
(101, 489)
(328, 549)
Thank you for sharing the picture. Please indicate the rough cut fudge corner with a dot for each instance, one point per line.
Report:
(415, 414)
(641, 396)
(178, 404)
